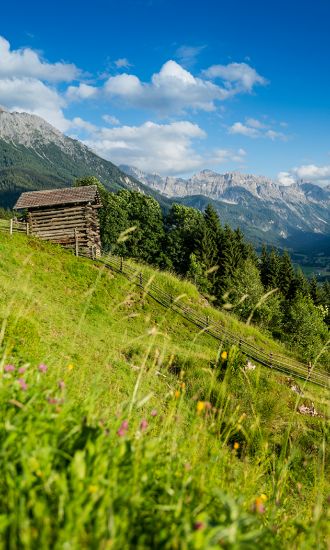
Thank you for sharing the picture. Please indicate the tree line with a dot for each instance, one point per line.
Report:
(265, 289)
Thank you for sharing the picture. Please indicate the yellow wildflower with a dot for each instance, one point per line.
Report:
(183, 385)
(224, 355)
(92, 489)
(236, 445)
(200, 406)
(177, 394)
(263, 497)
(70, 366)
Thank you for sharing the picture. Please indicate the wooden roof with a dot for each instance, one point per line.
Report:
(57, 197)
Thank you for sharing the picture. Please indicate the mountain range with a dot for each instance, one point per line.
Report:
(263, 208)
(34, 155)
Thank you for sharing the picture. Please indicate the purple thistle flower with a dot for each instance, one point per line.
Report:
(143, 424)
(9, 368)
(61, 384)
(123, 428)
(22, 384)
(21, 370)
(42, 368)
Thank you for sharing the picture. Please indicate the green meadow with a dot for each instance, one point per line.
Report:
(124, 427)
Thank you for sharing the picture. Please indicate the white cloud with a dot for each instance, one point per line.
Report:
(253, 128)
(236, 76)
(174, 90)
(222, 156)
(311, 173)
(285, 178)
(244, 130)
(82, 91)
(33, 96)
(166, 148)
(111, 120)
(81, 124)
(28, 63)
(187, 55)
(122, 63)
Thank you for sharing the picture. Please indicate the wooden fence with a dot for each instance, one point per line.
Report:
(216, 329)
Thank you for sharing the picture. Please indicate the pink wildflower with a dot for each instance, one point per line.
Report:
(198, 525)
(154, 412)
(123, 428)
(9, 368)
(23, 384)
(143, 424)
(52, 401)
(21, 370)
(42, 368)
(61, 384)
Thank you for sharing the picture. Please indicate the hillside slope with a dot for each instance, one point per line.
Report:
(34, 155)
(138, 417)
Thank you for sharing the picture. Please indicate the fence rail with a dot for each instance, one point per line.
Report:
(273, 361)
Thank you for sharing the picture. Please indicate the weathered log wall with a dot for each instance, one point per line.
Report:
(75, 227)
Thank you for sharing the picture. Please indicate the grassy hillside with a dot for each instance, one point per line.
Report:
(126, 428)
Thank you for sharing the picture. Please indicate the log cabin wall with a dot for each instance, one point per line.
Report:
(73, 227)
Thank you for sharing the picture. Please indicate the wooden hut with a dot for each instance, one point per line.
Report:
(66, 216)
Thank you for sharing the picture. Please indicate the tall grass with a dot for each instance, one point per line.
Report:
(121, 427)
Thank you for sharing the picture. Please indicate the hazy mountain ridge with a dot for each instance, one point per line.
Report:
(256, 203)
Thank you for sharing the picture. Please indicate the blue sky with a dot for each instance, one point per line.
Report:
(175, 87)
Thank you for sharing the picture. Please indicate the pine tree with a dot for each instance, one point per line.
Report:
(286, 275)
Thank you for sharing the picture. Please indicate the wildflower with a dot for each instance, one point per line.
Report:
(70, 366)
(9, 368)
(236, 445)
(154, 412)
(258, 506)
(143, 424)
(263, 497)
(92, 489)
(52, 401)
(200, 406)
(198, 525)
(207, 405)
(21, 370)
(177, 394)
(224, 355)
(22, 384)
(183, 385)
(123, 428)
(42, 368)
(61, 384)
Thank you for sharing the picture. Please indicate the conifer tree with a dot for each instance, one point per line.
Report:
(286, 275)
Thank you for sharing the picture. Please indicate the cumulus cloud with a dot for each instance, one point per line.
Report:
(236, 76)
(166, 148)
(310, 173)
(82, 91)
(28, 63)
(253, 128)
(33, 96)
(285, 178)
(174, 90)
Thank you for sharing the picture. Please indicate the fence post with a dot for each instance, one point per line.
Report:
(271, 360)
(76, 242)
(207, 320)
(140, 279)
(11, 226)
(27, 228)
(121, 264)
(309, 368)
